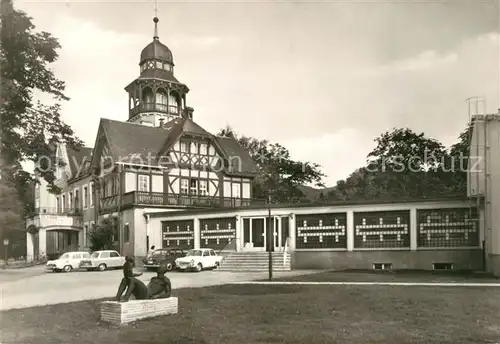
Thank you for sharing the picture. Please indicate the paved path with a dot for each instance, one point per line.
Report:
(35, 287)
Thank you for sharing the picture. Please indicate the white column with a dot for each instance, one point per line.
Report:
(293, 232)
(350, 232)
(42, 242)
(29, 247)
(81, 239)
(238, 233)
(413, 229)
(197, 234)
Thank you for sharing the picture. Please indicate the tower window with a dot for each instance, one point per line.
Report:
(184, 147)
(203, 149)
(143, 183)
(194, 148)
(159, 65)
(184, 186)
(193, 186)
(203, 188)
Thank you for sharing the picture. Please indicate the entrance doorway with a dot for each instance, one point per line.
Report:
(254, 234)
(280, 226)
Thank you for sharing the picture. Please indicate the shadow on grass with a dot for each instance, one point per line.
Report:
(351, 275)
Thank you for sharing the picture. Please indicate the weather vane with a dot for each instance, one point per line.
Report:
(155, 20)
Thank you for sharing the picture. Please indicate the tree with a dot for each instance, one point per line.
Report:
(407, 164)
(11, 211)
(278, 173)
(457, 162)
(28, 126)
(101, 236)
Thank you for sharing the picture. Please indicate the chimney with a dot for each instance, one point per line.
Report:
(189, 111)
(162, 120)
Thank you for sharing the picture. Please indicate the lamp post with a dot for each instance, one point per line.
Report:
(6, 248)
(270, 232)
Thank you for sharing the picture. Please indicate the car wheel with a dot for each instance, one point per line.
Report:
(102, 267)
(67, 268)
(169, 266)
(199, 267)
(217, 265)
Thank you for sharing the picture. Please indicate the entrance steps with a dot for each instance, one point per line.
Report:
(255, 261)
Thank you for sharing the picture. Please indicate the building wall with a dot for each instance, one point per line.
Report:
(421, 260)
(128, 219)
(486, 133)
(86, 206)
(142, 233)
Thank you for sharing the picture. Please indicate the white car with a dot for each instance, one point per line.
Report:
(102, 260)
(198, 259)
(67, 261)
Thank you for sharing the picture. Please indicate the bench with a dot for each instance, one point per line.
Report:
(125, 312)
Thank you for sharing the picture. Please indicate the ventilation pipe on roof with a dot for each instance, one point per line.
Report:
(189, 112)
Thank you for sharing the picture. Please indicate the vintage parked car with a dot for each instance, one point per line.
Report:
(67, 261)
(102, 260)
(198, 259)
(164, 256)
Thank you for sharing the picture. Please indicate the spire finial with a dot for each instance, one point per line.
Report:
(156, 20)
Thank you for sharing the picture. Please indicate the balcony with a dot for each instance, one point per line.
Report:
(155, 107)
(43, 217)
(161, 199)
(56, 211)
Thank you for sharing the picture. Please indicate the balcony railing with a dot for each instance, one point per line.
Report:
(56, 211)
(155, 107)
(162, 199)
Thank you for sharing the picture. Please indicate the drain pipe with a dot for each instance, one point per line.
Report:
(486, 193)
(147, 231)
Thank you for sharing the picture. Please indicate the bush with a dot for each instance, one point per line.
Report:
(101, 236)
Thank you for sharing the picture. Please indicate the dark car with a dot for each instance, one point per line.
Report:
(164, 256)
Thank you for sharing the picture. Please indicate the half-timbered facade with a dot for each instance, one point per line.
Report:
(157, 160)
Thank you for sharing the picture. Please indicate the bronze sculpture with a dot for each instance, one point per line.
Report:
(159, 287)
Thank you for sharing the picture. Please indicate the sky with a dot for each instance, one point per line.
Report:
(322, 78)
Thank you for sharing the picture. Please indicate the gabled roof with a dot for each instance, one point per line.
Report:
(233, 149)
(128, 141)
(138, 144)
(79, 160)
(181, 126)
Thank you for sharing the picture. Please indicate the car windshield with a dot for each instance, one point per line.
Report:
(95, 255)
(64, 256)
(191, 253)
(157, 254)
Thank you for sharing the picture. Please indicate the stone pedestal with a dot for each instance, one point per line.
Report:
(126, 312)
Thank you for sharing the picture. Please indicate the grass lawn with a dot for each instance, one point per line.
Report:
(394, 276)
(279, 314)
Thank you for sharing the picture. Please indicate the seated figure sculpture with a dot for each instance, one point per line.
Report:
(158, 287)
